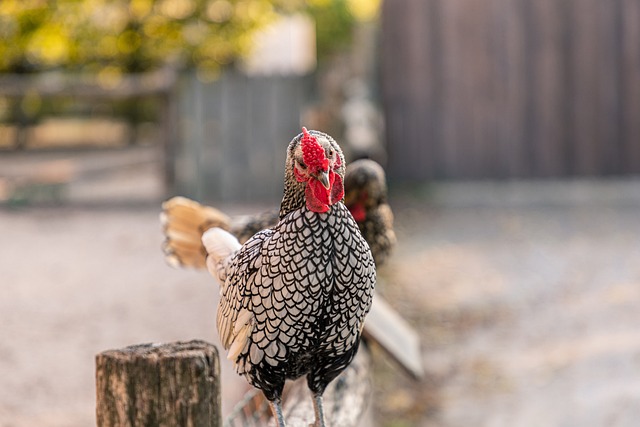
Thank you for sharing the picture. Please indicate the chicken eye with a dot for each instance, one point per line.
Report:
(331, 152)
(302, 166)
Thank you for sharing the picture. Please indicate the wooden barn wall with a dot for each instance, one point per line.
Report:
(478, 89)
(233, 135)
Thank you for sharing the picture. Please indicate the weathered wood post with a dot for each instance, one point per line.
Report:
(155, 385)
(345, 400)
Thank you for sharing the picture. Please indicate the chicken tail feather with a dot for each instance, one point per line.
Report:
(183, 223)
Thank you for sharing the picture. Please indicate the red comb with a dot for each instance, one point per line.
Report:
(312, 152)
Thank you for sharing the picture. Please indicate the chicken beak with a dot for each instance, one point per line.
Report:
(323, 177)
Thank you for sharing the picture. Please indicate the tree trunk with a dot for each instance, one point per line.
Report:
(176, 384)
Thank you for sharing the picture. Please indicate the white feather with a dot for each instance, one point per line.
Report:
(256, 354)
(172, 260)
(164, 219)
(239, 342)
(219, 243)
(213, 270)
(244, 318)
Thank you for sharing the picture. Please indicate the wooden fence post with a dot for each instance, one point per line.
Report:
(175, 384)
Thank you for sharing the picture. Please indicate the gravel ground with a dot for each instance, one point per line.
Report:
(527, 298)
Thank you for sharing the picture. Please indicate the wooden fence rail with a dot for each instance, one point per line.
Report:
(511, 88)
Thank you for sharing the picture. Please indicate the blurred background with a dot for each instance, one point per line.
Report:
(509, 130)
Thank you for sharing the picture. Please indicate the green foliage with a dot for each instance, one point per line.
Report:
(111, 37)
(116, 36)
(334, 25)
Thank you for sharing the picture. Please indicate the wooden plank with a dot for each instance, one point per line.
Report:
(547, 66)
(187, 171)
(395, 86)
(515, 108)
(529, 27)
(262, 117)
(501, 72)
(609, 89)
(630, 75)
(169, 125)
(419, 82)
(483, 93)
(236, 101)
(214, 134)
(287, 103)
(568, 85)
(345, 400)
(585, 73)
(197, 136)
(252, 411)
(387, 329)
(438, 90)
(454, 120)
(491, 101)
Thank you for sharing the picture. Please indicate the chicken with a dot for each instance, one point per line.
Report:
(366, 198)
(185, 220)
(294, 297)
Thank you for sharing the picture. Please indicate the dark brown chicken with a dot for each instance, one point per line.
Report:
(366, 198)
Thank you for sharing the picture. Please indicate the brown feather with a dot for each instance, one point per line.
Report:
(184, 221)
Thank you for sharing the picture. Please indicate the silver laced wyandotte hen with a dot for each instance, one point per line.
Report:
(294, 297)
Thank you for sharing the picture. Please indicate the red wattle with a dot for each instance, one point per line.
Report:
(320, 198)
(337, 188)
(358, 212)
(319, 191)
(314, 203)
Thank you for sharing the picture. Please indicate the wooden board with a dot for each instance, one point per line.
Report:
(395, 336)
